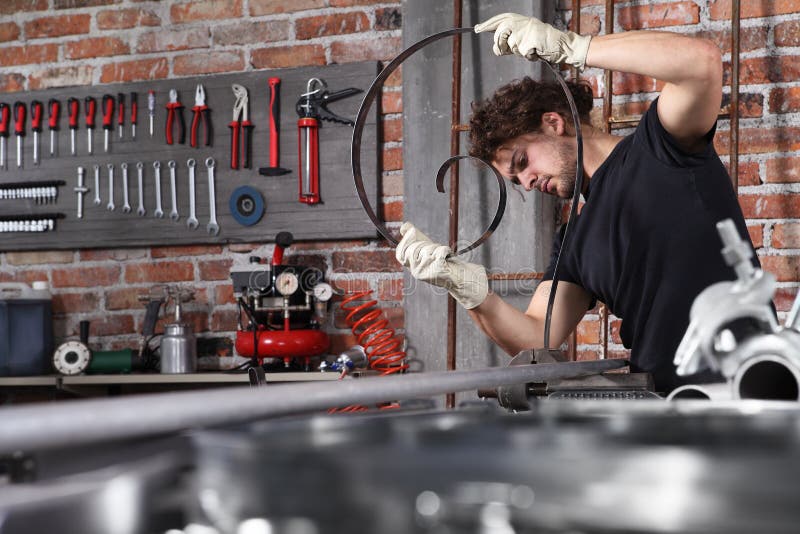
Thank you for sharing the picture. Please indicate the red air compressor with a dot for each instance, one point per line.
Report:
(284, 306)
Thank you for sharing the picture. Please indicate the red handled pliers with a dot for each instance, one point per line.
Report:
(201, 114)
(174, 107)
(240, 109)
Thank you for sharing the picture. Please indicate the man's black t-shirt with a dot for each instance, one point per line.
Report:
(645, 242)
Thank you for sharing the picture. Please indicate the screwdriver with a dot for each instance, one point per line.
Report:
(5, 119)
(54, 109)
(36, 127)
(91, 110)
(151, 108)
(19, 128)
(121, 113)
(108, 118)
(134, 113)
(72, 107)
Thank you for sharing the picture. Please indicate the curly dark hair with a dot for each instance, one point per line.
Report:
(517, 108)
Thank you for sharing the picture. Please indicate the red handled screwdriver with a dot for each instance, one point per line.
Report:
(108, 119)
(72, 108)
(91, 111)
(19, 129)
(121, 113)
(36, 127)
(54, 110)
(5, 120)
(134, 114)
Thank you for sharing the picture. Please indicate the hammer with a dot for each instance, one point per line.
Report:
(274, 112)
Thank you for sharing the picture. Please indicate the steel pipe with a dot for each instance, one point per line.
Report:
(767, 377)
(714, 392)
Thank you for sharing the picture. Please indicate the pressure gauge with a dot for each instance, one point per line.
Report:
(72, 358)
(323, 292)
(287, 283)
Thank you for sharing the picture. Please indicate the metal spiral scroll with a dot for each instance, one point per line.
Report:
(355, 154)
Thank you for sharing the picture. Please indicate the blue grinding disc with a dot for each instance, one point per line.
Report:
(246, 205)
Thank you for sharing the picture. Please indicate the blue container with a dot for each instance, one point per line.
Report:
(26, 330)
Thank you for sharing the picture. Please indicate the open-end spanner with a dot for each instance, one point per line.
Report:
(159, 213)
(110, 205)
(173, 191)
(97, 200)
(192, 221)
(212, 227)
(140, 171)
(126, 205)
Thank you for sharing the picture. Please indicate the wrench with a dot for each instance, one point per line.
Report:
(212, 227)
(110, 206)
(174, 213)
(126, 206)
(97, 200)
(159, 213)
(192, 221)
(140, 170)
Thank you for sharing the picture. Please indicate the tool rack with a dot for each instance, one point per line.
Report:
(100, 227)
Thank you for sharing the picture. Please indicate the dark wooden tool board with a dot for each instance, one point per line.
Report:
(338, 216)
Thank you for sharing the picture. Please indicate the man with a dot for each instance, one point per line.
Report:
(645, 241)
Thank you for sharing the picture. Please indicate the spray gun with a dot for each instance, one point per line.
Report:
(311, 108)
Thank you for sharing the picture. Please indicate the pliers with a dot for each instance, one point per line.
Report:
(174, 107)
(201, 114)
(240, 109)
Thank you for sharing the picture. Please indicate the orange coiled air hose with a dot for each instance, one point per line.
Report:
(373, 332)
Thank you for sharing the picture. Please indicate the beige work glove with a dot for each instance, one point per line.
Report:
(531, 38)
(428, 262)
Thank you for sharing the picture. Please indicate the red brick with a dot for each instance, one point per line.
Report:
(9, 31)
(61, 77)
(40, 257)
(208, 63)
(392, 130)
(751, 105)
(770, 206)
(721, 9)
(85, 276)
(223, 294)
(614, 326)
(388, 18)
(366, 261)
(658, 15)
(342, 342)
(761, 140)
(57, 26)
(73, 4)
(783, 170)
(11, 7)
(771, 69)
(242, 33)
(96, 47)
(185, 250)
(784, 298)
(168, 40)
(119, 19)
(27, 276)
(392, 159)
(131, 71)
(330, 24)
(12, 82)
(364, 50)
(271, 7)
(748, 173)
(206, 10)
(785, 268)
(28, 54)
(224, 320)
(215, 270)
(585, 355)
(395, 79)
(784, 100)
(277, 57)
(116, 254)
(392, 211)
(786, 235)
(392, 102)
(348, 285)
(625, 84)
(753, 38)
(756, 235)
(327, 245)
(392, 185)
(69, 303)
(351, 3)
(166, 271)
(389, 290)
(110, 325)
(788, 33)
(125, 298)
(588, 332)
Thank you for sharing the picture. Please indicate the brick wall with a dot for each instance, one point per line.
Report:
(62, 43)
(769, 124)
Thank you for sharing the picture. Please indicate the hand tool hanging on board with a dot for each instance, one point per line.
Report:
(80, 190)
(72, 109)
(37, 112)
(5, 122)
(174, 107)
(202, 114)
(274, 127)
(54, 113)
(151, 109)
(312, 107)
(134, 113)
(90, 110)
(19, 129)
(241, 109)
(121, 114)
(108, 120)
